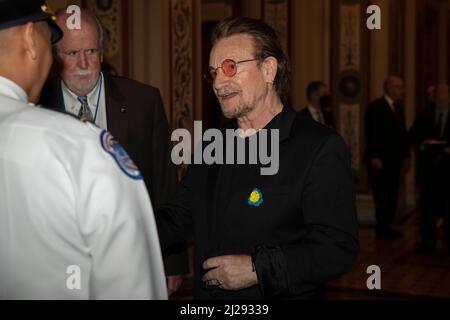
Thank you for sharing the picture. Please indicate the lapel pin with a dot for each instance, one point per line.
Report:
(256, 198)
(123, 110)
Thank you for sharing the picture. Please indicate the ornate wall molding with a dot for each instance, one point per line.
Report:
(182, 63)
(114, 17)
(350, 70)
(350, 40)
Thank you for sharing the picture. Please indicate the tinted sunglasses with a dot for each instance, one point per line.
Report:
(229, 68)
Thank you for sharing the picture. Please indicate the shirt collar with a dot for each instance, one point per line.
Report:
(312, 109)
(316, 113)
(12, 90)
(282, 121)
(91, 96)
(389, 100)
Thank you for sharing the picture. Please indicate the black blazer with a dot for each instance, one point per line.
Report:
(385, 133)
(306, 113)
(303, 235)
(136, 118)
(424, 128)
(328, 117)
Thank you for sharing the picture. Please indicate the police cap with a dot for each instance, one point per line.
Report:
(18, 12)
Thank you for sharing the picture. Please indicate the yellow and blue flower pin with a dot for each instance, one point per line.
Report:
(256, 198)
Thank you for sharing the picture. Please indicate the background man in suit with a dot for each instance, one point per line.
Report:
(387, 151)
(431, 97)
(318, 97)
(131, 111)
(264, 237)
(431, 135)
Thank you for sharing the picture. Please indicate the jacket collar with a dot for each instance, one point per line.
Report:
(282, 121)
(113, 90)
(116, 110)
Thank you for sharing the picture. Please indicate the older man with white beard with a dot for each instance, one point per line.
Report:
(131, 111)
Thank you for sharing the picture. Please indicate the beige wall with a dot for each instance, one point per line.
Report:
(149, 48)
(379, 52)
(443, 40)
(410, 61)
(410, 83)
(251, 8)
(309, 46)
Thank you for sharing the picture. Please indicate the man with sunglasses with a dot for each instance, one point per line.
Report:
(282, 236)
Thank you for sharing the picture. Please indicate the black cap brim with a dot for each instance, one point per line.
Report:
(57, 33)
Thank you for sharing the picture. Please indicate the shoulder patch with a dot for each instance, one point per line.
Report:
(126, 164)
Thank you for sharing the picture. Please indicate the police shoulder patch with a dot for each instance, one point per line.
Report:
(126, 164)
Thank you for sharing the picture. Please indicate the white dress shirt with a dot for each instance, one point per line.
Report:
(390, 102)
(65, 202)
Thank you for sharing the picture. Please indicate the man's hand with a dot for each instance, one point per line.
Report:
(173, 284)
(376, 164)
(230, 272)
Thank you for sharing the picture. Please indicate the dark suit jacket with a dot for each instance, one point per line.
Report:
(136, 118)
(432, 163)
(305, 111)
(385, 133)
(424, 128)
(303, 235)
(328, 117)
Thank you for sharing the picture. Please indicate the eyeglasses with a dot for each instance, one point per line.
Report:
(229, 68)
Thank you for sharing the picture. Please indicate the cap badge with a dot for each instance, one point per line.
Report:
(46, 9)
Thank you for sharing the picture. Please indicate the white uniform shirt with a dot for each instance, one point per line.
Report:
(66, 202)
(96, 101)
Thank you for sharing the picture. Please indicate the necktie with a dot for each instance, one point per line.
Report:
(439, 126)
(85, 113)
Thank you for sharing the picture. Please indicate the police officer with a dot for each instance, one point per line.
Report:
(76, 221)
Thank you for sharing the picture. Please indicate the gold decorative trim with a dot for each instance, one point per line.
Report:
(182, 63)
(110, 15)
